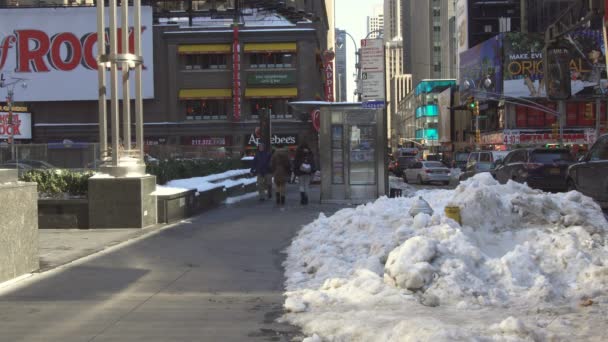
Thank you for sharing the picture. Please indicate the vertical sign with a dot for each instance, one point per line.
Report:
(605, 31)
(328, 65)
(372, 70)
(236, 86)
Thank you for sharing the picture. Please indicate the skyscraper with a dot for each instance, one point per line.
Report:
(375, 22)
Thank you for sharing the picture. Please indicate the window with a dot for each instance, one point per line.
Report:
(599, 150)
(485, 157)
(207, 109)
(271, 60)
(518, 157)
(278, 108)
(205, 62)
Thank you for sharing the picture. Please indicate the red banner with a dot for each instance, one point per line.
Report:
(236, 86)
(329, 81)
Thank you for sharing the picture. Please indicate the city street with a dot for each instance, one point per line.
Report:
(217, 277)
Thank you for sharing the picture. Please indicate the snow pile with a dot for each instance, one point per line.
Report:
(374, 273)
(212, 181)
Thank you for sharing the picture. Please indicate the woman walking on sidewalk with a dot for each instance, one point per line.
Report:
(261, 168)
(280, 167)
(304, 168)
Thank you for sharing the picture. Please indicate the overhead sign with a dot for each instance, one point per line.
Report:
(20, 128)
(372, 70)
(55, 49)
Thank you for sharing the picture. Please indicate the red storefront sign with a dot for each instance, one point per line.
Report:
(236, 85)
(514, 137)
(328, 66)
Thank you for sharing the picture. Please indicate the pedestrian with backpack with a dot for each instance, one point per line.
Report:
(261, 168)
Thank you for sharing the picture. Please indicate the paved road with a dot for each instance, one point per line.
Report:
(216, 278)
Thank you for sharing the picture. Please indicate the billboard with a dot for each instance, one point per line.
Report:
(481, 69)
(20, 128)
(55, 49)
(523, 63)
(462, 27)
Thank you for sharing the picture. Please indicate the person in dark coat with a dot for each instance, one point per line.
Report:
(261, 168)
(304, 168)
(280, 168)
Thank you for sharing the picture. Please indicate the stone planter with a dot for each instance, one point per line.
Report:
(253, 187)
(235, 190)
(210, 198)
(171, 208)
(63, 213)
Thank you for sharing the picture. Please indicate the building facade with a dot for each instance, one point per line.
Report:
(198, 109)
(375, 22)
(341, 64)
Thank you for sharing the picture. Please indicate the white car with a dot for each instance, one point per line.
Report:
(427, 171)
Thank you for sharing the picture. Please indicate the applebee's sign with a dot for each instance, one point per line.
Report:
(275, 139)
(20, 128)
(55, 49)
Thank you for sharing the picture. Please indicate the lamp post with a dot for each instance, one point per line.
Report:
(10, 85)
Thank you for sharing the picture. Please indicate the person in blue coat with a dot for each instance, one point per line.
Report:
(261, 168)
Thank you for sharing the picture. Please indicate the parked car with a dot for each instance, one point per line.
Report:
(590, 174)
(427, 171)
(461, 160)
(476, 168)
(540, 168)
(21, 168)
(34, 164)
(403, 163)
(484, 157)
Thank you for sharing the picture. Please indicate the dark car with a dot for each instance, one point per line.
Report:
(540, 168)
(404, 163)
(590, 175)
(34, 164)
(476, 168)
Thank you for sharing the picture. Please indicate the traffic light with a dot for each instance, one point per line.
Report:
(473, 105)
(589, 110)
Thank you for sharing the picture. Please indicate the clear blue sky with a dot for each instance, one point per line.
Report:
(351, 15)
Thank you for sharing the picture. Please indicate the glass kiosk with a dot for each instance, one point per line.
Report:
(352, 153)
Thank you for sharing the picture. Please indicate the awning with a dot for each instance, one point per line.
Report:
(270, 47)
(195, 94)
(272, 93)
(195, 49)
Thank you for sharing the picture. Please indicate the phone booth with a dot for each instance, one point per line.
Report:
(353, 153)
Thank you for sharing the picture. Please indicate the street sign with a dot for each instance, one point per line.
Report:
(372, 69)
(373, 104)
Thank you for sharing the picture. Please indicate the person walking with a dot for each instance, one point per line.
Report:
(261, 168)
(304, 169)
(280, 168)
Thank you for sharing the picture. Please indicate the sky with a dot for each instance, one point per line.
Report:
(351, 15)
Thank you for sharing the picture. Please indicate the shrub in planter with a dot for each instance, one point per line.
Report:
(59, 183)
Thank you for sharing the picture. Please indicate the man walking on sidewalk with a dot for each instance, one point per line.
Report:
(261, 168)
(280, 168)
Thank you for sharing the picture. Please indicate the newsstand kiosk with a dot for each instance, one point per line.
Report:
(352, 151)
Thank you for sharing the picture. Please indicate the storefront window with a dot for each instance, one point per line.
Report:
(271, 60)
(362, 155)
(207, 109)
(278, 108)
(205, 62)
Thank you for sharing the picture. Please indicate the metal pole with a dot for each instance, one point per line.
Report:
(477, 134)
(114, 84)
(561, 106)
(101, 76)
(139, 122)
(598, 114)
(126, 101)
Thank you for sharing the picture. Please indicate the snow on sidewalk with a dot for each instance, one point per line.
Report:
(524, 266)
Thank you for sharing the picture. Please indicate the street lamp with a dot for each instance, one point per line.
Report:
(10, 85)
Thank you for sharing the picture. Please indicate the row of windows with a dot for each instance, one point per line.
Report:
(222, 61)
(221, 109)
